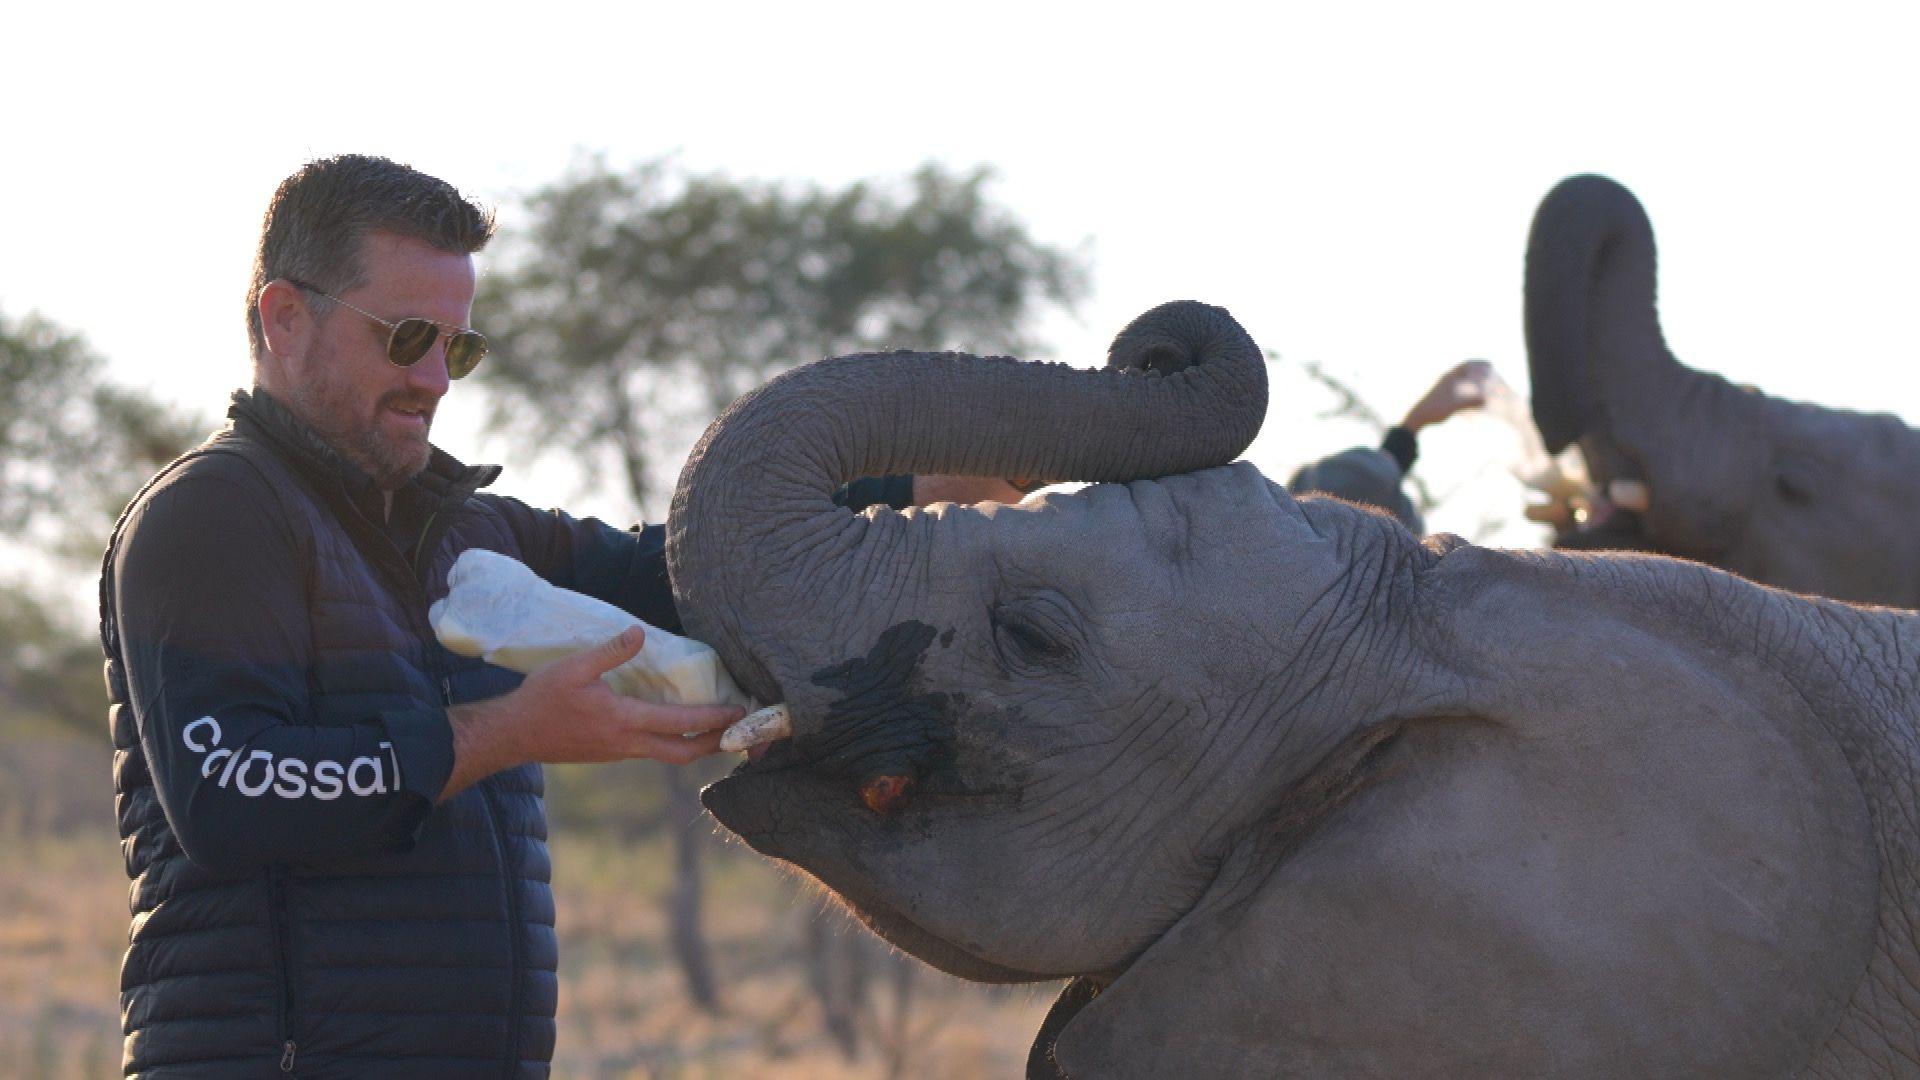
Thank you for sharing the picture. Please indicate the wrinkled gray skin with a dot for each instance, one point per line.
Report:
(1816, 500)
(1287, 791)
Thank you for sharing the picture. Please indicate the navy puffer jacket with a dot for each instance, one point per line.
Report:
(300, 906)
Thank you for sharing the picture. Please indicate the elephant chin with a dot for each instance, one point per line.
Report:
(913, 939)
(743, 801)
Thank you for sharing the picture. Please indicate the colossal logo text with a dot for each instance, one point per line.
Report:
(258, 772)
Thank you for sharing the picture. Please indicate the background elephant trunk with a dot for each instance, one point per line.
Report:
(753, 528)
(1592, 329)
(1691, 447)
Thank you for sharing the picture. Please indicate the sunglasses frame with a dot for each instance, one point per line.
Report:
(476, 342)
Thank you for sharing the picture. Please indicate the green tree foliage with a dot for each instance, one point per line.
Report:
(73, 449)
(49, 671)
(73, 446)
(632, 306)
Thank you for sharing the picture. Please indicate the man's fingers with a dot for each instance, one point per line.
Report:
(678, 720)
(1471, 380)
(678, 750)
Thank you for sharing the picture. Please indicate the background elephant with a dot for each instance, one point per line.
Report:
(1811, 499)
(1286, 790)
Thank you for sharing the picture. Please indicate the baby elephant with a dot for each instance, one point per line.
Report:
(1283, 789)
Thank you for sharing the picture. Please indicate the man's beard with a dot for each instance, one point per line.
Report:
(329, 407)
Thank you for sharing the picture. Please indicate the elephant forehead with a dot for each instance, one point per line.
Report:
(1105, 530)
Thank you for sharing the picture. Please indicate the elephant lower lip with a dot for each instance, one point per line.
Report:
(771, 757)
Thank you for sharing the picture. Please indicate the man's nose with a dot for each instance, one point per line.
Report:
(428, 375)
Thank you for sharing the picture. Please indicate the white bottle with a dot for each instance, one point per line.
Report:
(501, 611)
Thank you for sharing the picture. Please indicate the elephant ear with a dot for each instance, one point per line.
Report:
(1041, 1064)
(1164, 1015)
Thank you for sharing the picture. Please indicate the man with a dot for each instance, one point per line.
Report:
(334, 825)
(1372, 476)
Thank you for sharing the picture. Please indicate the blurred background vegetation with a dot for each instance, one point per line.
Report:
(628, 308)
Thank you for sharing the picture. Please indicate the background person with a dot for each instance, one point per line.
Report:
(1372, 476)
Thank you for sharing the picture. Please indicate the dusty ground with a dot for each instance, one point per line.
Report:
(63, 923)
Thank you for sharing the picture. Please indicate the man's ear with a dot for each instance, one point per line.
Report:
(286, 322)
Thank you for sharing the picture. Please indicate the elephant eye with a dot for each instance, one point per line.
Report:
(1795, 482)
(1024, 640)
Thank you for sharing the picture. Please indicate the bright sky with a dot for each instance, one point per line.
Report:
(1354, 181)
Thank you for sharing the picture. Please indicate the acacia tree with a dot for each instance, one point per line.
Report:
(633, 305)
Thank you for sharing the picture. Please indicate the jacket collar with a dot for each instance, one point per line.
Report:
(258, 412)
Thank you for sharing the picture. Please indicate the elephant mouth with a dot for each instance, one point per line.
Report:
(1610, 514)
(763, 802)
(1615, 530)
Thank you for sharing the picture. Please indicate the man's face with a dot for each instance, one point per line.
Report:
(373, 413)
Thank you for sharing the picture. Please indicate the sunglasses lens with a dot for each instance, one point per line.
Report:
(410, 341)
(464, 353)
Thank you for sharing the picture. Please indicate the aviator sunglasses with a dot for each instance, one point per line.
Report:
(409, 339)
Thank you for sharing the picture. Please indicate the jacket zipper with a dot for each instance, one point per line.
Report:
(414, 574)
(283, 961)
(429, 542)
(420, 548)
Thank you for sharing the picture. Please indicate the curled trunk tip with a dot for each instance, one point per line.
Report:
(754, 535)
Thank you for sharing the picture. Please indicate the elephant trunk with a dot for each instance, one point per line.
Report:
(1676, 446)
(753, 528)
(1592, 328)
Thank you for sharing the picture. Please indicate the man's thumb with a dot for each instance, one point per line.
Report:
(618, 649)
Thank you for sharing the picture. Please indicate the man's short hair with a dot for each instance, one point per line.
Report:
(1361, 475)
(319, 216)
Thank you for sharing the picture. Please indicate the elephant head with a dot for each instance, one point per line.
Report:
(1282, 788)
(1793, 495)
(762, 560)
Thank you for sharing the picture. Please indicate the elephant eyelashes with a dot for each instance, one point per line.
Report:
(1024, 641)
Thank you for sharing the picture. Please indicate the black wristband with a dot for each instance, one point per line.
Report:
(1402, 447)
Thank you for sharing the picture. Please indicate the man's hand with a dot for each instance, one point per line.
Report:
(563, 712)
(1464, 387)
(928, 490)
